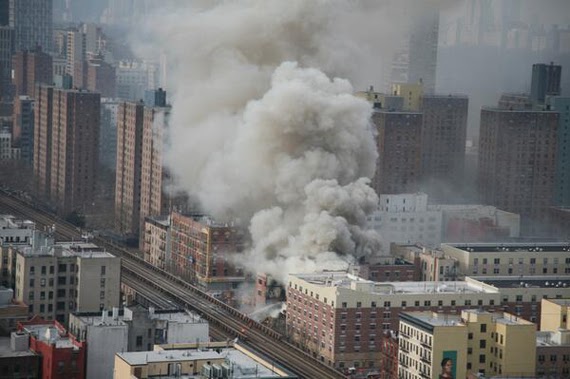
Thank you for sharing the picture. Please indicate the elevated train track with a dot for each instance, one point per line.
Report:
(157, 286)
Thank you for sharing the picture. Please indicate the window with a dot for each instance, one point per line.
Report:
(386, 303)
(344, 305)
(103, 270)
(62, 267)
(483, 328)
(139, 341)
(372, 304)
(497, 261)
(51, 269)
(482, 358)
(32, 270)
(102, 295)
(32, 282)
(358, 304)
(482, 344)
(44, 270)
(61, 280)
(469, 350)
(470, 336)
(60, 305)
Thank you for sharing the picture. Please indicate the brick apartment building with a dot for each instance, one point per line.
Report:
(201, 251)
(63, 357)
(66, 143)
(339, 317)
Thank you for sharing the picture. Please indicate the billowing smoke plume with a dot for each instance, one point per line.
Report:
(259, 133)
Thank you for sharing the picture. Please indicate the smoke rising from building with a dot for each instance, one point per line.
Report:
(258, 133)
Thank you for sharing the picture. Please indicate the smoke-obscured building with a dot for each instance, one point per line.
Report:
(398, 168)
(562, 177)
(101, 77)
(517, 162)
(444, 133)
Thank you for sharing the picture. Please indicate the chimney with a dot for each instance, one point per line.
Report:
(115, 313)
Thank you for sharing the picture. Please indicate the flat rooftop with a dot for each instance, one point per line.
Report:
(7, 352)
(67, 249)
(49, 334)
(349, 281)
(525, 282)
(433, 318)
(171, 315)
(510, 247)
(244, 367)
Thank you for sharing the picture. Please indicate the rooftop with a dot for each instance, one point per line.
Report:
(106, 318)
(491, 247)
(525, 282)
(49, 334)
(345, 280)
(433, 318)
(12, 222)
(557, 338)
(67, 249)
(243, 365)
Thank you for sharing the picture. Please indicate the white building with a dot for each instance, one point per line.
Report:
(406, 219)
(132, 329)
(15, 231)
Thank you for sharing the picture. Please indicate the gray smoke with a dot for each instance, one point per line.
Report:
(258, 133)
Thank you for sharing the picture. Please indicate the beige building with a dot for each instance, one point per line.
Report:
(518, 259)
(493, 344)
(156, 241)
(412, 94)
(554, 314)
(56, 279)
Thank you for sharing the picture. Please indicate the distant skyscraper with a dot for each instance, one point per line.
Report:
(545, 81)
(67, 165)
(399, 147)
(416, 58)
(30, 69)
(6, 48)
(32, 22)
(76, 55)
(443, 138)
(517, 162)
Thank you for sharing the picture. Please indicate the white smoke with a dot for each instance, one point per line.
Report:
(258, 133)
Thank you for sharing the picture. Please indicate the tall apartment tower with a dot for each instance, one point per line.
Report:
(43, 124)
(399, 151)
(443, 138)
(67, 142)
(517, 162)
(31, 68)
(545, 81)
(76, 65)
(139, 174)
(32, 21)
